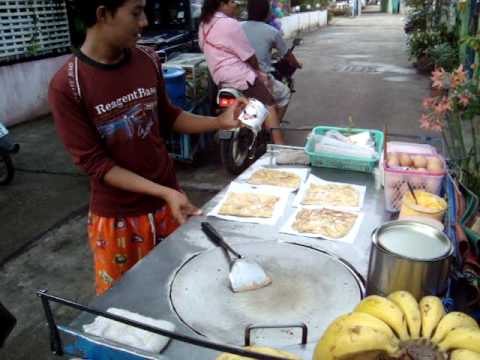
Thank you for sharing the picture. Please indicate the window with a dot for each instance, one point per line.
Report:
(30, 29)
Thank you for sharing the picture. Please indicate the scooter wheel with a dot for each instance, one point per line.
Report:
(235, 152)
(6, 169)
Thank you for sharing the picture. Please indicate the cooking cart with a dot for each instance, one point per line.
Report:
(184, 281)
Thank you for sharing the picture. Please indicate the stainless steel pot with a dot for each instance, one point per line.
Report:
(409, 255)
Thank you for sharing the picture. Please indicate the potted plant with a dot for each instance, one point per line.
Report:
(454, 114)
(444, 56)
(419, 42)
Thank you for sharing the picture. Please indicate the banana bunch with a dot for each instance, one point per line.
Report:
(398, 327)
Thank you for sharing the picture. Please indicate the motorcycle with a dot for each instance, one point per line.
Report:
(7, 148)
(240, 147)
(285, 67)
(7, 323)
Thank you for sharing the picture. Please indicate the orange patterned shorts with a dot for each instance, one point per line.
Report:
(118, 243)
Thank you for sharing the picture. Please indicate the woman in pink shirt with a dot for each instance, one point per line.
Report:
(231, 59)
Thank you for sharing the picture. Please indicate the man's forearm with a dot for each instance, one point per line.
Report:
(127, 180)
(188, 123)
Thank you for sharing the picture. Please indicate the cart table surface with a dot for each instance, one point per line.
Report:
(146, 288)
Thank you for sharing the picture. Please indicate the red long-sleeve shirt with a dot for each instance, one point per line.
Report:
(117, 114)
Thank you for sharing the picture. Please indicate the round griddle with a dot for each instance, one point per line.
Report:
(309, 286)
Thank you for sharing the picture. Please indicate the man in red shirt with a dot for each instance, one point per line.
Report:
(112, 114)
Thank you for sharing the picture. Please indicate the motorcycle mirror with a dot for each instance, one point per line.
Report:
(297, 41)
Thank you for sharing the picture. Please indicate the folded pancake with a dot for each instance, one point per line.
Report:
(275, 178)
(332, 195)
(330, 223)
(249, 205)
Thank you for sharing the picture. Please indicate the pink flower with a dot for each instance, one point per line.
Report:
(428, 103)
(443, 106)
(432, 122)
(464, 100)
(437, 78)
(425, 121)
(459, 77)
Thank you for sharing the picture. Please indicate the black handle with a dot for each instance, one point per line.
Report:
(217, 239)
(410, 188)
(302, 325)
(295, 43)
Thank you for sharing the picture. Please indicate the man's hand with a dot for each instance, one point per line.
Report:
(181, 207)
(229, 118)
(263, 77)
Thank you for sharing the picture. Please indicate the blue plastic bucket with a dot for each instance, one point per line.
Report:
(175, 85)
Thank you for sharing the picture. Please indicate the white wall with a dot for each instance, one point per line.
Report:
(24, 89)
(305, 21)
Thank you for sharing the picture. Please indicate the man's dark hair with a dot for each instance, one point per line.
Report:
(209, 8)
(86, 10)
(258, 10)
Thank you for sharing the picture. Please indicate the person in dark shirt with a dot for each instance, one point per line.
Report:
(264, 38)
(112, 113)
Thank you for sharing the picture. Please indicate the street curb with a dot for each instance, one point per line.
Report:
(75, 213)
(187, 186)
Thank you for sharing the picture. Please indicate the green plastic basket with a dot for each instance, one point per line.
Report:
(343, 161)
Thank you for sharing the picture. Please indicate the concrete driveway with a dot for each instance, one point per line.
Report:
(359, 67)
(356, 67)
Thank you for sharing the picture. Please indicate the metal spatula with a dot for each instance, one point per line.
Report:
(245, 275)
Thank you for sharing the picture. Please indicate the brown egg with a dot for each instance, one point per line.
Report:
(393, 160)
(405, 160)
(434, 164)
(419, 161)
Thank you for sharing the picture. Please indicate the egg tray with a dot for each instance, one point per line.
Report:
(396, 179)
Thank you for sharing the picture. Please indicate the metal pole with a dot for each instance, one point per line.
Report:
(55, 340)
(58, 349)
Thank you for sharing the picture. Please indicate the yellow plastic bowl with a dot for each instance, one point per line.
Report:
(429, 205)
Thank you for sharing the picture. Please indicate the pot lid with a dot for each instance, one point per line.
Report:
(414, 240)
(308, 286)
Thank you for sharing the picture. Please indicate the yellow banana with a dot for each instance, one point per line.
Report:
(431, 309)
(262, 350)
(329, 337)
(386, 311)
(453, 321)
(364, 319)
(347, 321)
(464, 355)
(358, 339)
(461, 338)
(409, 306)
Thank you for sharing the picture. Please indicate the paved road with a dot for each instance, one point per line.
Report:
(356, 67)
